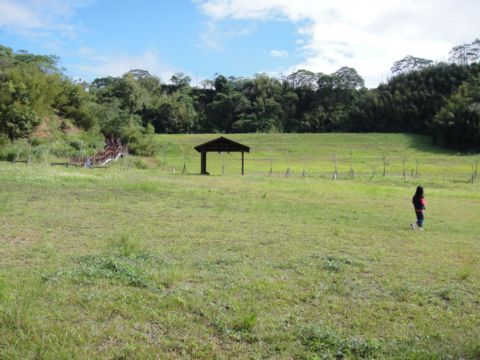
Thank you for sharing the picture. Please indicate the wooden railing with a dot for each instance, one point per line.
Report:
(110, 153)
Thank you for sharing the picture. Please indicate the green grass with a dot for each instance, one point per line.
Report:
(313, 154)
(117, 263)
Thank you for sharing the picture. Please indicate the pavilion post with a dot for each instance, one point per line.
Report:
(203, 166)
(243, 168)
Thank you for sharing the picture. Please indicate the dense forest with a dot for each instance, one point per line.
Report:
(39, 103)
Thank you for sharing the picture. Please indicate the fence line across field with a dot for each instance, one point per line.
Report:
(333, 165)
(351, 166)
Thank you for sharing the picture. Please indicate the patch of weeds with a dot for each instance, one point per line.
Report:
(114, 268)
(334, 263)
(338, 285)
(219, 325)
(321, 340)
(338, 232)
(402, 293)
(360, 347)
(126, 245)
(263, 196)
(472, 352)
(44, 250)
(3, 204)
(215, 265)
(222, 208)
(410, 294)
(464, 274)
(444, 294)
(240, 327)
(3, 287)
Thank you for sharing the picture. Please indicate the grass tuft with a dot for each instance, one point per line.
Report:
(245, 322)
(465, 273)
(334, 263)
(126, 245)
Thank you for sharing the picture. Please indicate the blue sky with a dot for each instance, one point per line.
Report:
(96, 38)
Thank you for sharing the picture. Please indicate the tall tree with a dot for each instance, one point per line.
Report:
(458, 122)
(466, 54)
(409, 63)
(303, 78)
(348, 78)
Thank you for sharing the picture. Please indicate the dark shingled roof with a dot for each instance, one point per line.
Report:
(222, 144)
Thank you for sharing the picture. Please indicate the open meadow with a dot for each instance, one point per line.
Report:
(282, 263)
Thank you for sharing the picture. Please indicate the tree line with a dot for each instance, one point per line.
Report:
(441, 100)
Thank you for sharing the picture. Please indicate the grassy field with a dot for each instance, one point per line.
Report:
(313, 154)
(129, 263)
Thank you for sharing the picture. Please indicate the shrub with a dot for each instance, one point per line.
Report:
(140, 164)
(142, 141)
(14, 150)
(3, 140)
(36, 141)
(77, 144)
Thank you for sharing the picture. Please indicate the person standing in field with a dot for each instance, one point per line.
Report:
(419, 205)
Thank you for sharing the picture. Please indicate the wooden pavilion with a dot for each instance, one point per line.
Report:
(220, 145)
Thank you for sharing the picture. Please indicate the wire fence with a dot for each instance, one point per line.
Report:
(445, 168)
(448, 169)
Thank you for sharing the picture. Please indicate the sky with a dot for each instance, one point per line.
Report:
(201, 38)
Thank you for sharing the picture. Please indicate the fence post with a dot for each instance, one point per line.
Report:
(384, 160)
(184, 170)
(304, 173)
(351, 173)
(335, 173)
(223, 163)
(29, 151)
(374, 171)
(287, 172)
(474, 171)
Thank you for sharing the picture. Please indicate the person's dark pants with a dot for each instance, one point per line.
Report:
(420, 218)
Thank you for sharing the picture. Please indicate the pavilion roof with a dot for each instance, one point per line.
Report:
(222, 144)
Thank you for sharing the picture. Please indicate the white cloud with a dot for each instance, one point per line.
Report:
(210, 38)
(15, 15)
(40, 18)
(279, 53)
(101, 65)
(369, 35)
(217, 33)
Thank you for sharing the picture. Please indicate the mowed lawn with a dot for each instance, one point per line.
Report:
(129, 263)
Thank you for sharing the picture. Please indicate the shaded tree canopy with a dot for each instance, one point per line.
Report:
(421, 97)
